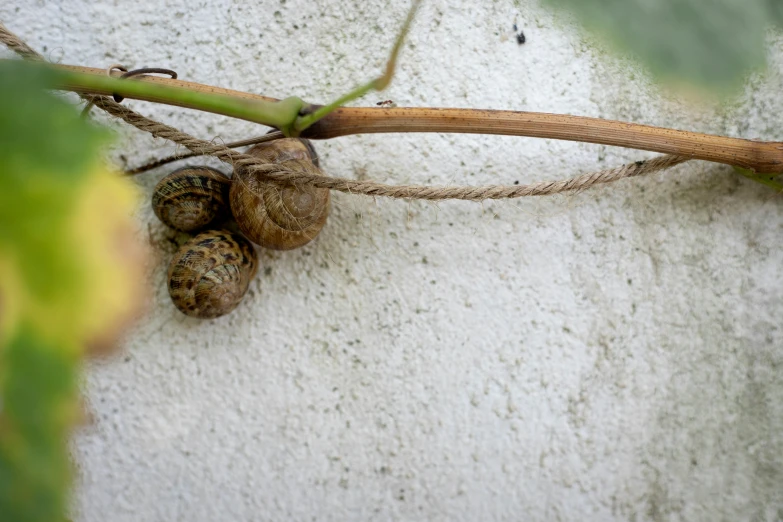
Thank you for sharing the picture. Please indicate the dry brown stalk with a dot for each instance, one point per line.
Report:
(759, 156)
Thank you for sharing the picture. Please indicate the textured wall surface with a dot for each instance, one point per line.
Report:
(611, 355)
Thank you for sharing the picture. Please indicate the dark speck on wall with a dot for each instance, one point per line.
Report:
(520, 35)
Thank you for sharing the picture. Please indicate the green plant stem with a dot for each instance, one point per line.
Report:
(766, 157)
(378, 84)
(281, 114)
(772, 181)
(286, 115)
(321, 111)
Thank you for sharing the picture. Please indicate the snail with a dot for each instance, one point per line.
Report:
(191, 198)
(210, 274)
(274, 216)
(285, 149)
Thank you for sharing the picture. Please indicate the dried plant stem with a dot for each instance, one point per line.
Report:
(754, 155)
(308, 174)
(759, 156)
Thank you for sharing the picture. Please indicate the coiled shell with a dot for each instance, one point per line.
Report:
(274, 216)
(285, 149)
(210, 274)
(191, 198)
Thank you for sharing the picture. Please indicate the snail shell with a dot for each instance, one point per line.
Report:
(209, 274)
(275, 216)
(286, 149)
(191, 198)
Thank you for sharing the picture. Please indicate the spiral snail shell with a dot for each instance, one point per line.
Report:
(210, 274)
(285, 149)
(191, 198)
(274, 216)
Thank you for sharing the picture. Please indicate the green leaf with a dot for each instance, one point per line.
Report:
(47, 157)
(770, 180)
(710, 44)
(38, 384)
(46, 153)
(776, 9)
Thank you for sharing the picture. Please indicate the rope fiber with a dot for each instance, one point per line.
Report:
(305, 173)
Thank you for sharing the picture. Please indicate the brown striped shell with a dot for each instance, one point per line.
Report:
(274, 216)
(191, 198)
(210, 274)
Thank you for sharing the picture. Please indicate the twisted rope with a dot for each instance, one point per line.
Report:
(18, 46)
(304, 173)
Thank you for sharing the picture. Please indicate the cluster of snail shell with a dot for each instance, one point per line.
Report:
(210, 274)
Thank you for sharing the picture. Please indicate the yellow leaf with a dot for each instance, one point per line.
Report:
(112, 257)
(11, 297)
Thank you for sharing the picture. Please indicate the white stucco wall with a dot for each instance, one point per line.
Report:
(611, 355)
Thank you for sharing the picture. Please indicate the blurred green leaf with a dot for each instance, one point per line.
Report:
(710, 44)
(46, 153)
(773, 181)
(39, 386)
(776, 9)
